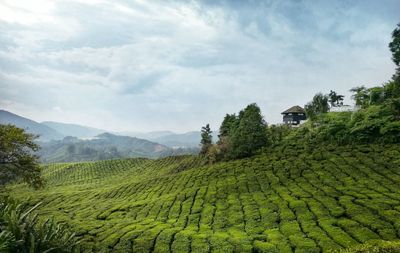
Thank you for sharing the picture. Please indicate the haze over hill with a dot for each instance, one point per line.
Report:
(63, 142)
(50, 130)
(75, 130)
(189, 139)
(46, 133)
(104, 146)
(171, 139)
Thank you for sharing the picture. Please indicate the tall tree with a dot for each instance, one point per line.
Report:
(206, 139)
(394, 46)
(17, 160)
(360, 96)
(372, 96)
(317, 106)
(250, 134)
(228, 124)
(335, 99)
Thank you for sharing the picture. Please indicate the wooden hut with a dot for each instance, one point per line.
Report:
(294, 115)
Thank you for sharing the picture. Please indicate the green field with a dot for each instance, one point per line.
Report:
(285, 200)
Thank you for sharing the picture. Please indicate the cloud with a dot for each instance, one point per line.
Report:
(155, 65)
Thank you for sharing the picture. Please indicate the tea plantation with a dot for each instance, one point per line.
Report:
(287, 199)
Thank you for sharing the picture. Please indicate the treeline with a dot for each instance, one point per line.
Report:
(375, 117)
(239, 136)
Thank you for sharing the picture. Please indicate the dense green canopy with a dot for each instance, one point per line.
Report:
(17, 160)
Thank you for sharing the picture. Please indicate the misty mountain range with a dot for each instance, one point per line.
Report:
(46, 133)
(62, 142)
(50, 130)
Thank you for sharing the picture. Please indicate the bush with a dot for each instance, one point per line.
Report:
(6, 241)
(264, 247)
(374, 247)
(22, 231)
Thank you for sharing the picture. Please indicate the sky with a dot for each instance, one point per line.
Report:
(139, 65)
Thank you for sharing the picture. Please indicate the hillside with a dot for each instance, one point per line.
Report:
(46, 133)
(189, 139)
(289, 199)
(73, 129)
(102, 147)
(171, 139)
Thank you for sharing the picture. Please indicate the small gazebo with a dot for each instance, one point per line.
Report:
(294, 115)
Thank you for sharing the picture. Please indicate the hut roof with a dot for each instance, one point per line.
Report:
(294, 109)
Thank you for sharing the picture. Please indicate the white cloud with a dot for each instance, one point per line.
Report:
(148, 65)
(26, 12)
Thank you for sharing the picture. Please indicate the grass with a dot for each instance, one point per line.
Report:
(285, 200)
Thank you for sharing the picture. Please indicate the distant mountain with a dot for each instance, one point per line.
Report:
(148, 135)
(173, 140)
(74, 129)
(170, 139)
(46, 133)
(104, 146)
(189, 139)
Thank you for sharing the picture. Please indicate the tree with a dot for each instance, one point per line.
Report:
(392, 90)
(17, 160)
(394, 46)
(360, 96)
(250, 133)
(227, 126)
(372, 96)
(206, 139)
(335, 100)
(317, 106)
(376, 95)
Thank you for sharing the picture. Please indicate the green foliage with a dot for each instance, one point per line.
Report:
(206, 139)
(360, 96)
(240, 136)
(103, 147)
(290, 198)
(22, 231)
(249, 136)
(229, 123)
(366, 124)
(376, 120)
(277, 133)
(364, 97)
(391, 90)
(17, 160)
(7, 240)
(317, 106)
(394, 47)
(375, 247)
(335, 100)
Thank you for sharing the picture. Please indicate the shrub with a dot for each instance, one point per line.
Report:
(374, 247)
(264, 247)
(22, 231)
(7, 240)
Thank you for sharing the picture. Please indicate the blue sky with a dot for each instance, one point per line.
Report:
(177, 65)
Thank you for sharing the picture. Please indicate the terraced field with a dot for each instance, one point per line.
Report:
(286, 200)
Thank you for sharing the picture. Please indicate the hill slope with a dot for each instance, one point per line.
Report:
(189, 139)
(286, 200)
(73, 129)
(46, 133)
(171, 139)
(103, 146)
